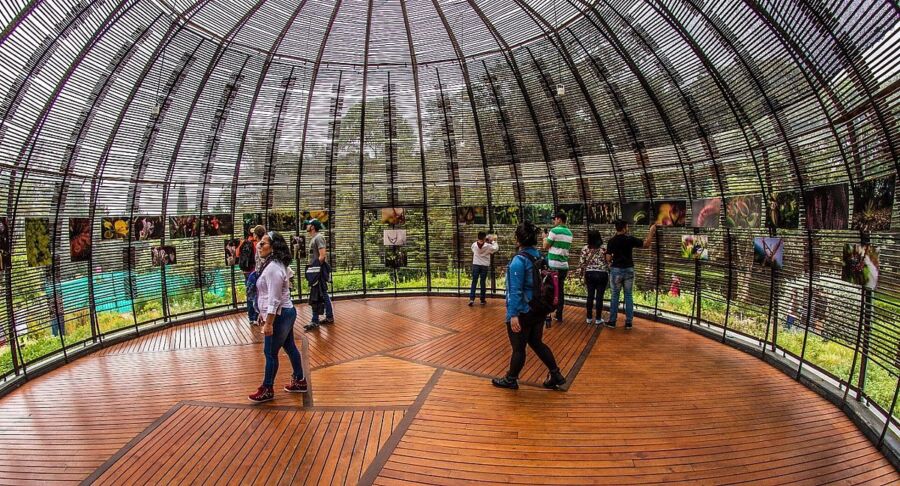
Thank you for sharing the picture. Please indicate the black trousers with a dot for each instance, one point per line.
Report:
(596, 286)
(532, 334)
(562, 293)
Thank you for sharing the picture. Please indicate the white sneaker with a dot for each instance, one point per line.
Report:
(589, 321)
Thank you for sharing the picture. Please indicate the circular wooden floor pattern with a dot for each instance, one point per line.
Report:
(400, 396)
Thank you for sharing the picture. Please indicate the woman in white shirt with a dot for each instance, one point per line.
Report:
(277, 315)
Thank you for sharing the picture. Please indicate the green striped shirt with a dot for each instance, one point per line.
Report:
(560, 239)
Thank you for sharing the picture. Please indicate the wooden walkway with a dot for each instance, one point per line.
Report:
(399, 395)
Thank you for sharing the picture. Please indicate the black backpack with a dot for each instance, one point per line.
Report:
(545, 294)
(246, 258)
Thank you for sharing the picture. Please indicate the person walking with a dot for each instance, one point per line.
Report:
(557, 244)
(523, 326)
(277, 315)
(318, 257)
(482, 249)
(249, 262)
(595, 269)
(621, 272)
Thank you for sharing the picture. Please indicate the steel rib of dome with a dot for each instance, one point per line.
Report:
(261, 110)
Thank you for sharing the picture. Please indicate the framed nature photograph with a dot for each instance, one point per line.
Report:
(471, 215)
(636, 213)
(860, 265)
(872, 203)
(37, 242)
(5, 244)
(784, 210)
(147, 227)
(184, 227)
(574, 213)
(218, 225)
(231, 251)
(539, 214)
(321, 215)
(670, 213)
(251, 220)
(705, 212)
(393, 216)
(769, 252)
(394, 237)
(115, 228)
(395, 257)
(80, 242)
(506, 215)
(827, 207)
(282, 220)
(695, 246)
(163, 255)
(603, 212)
(743, 211)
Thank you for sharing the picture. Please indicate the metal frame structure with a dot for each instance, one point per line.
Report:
(671, 99)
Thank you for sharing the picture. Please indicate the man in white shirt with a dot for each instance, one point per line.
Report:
(481, 263)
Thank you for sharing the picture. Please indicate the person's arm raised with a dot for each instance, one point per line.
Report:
(649, 239)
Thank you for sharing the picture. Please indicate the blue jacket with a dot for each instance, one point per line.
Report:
(519, 283)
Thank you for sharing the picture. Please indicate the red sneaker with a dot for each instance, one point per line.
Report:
(263, 394)
(297, 386)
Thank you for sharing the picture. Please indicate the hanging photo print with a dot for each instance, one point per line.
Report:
(282, 221)
(115, 229)
(872, 201)
(769, 252)
(393, 216)
(163, 255)
(574, 213)
(394, 237)
(636, 213)
(37, 242)
(743, 212)
(539, 214)
(705, 212)
(184, 227)
(784, 210)
(395, 257)
(471, 215)
(5, 247)
(80, 242)
(670, 213)
(506, 215)
(319, 214)
(827, 207)
(147, 227)
(251, 220)
(217, 225)
(695, 246)
(861, 265)
(231, 252)
(603, 212)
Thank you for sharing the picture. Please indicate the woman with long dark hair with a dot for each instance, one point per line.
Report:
(277, 315)
(524, 326)
(596, 274)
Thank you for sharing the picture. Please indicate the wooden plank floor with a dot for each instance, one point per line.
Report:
(656, 404)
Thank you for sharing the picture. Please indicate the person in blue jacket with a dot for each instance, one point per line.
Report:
(523, 326)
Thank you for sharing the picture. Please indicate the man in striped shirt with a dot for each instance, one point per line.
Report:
(557, 244)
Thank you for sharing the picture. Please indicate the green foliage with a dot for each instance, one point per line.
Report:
(37, 242)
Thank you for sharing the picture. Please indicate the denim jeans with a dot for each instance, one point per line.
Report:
(57, 326)
(252, 313)
(479, 272)
(329, 310)
(596, 287)
(282, 337)
(621, 278)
